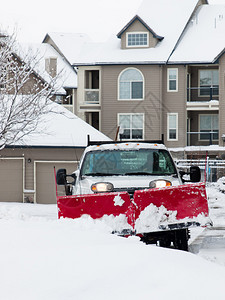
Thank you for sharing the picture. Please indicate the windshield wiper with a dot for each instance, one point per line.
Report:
(137, 173)
(163, 174)
(99, 174)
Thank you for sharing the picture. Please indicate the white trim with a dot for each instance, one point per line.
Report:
(168, 127)
(143, 129)
(168, 80)
(137, 46)
(118, 86)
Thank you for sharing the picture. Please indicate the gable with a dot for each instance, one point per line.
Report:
(138, 27)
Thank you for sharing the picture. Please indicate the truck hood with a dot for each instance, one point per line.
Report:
(120, 182)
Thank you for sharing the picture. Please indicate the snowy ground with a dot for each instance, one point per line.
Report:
(43, 258)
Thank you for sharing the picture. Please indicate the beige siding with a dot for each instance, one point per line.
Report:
(155, 106)
(138, 27)
(150, 106)
(175, 102)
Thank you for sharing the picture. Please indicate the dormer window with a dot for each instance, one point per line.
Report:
(137, 39)
(137, 34)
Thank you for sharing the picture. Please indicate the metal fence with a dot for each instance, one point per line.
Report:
(211, 169)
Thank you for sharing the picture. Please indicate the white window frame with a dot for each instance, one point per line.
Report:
(199, 91)
(143, 87)
(199, 135)
(133, 114)
(137, 46)
(168, 80)
(169, 128)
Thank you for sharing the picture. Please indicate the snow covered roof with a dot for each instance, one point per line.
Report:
(61, 128)
(69, 44)
(205, 34)
(167, 19)
(66, 76)
(191, 34)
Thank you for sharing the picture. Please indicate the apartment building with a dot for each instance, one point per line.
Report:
(161, 76)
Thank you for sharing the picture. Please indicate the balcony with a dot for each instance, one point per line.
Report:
(203, 98)
(202, 138)
(91, 96)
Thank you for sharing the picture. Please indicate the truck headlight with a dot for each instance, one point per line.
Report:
(102, 187)
(161, 183)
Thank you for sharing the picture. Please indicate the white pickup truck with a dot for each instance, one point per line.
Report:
(144, 176)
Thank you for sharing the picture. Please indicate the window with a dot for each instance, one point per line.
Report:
(207, 124)
(131, 85)
(137, 39)
(209, 82)
(172, 126)
(172, 80)
(131, 126)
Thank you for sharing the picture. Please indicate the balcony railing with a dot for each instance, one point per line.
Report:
(206, 137)
(91, 96)
(206, 93)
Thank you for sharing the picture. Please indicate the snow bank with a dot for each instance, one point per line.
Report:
(45, 258)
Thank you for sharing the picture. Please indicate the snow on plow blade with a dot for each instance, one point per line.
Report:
(188, 200)
(94, 205)
(184, 202)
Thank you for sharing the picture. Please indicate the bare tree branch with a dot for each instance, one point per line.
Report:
(24, 94)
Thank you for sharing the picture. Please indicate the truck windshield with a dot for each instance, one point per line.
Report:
(128, 162)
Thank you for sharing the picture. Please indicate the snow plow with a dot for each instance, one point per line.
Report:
(137, 188)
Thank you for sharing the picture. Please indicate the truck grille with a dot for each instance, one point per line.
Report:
(130, 190)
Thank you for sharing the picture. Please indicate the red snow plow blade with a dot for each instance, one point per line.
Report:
(94, 205)
(188, 201)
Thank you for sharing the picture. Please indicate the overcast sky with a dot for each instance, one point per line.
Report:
(33, 19)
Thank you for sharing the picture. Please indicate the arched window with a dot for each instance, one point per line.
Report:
(131, 85)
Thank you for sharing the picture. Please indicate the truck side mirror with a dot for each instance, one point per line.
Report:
(195, 174)
(61, 177)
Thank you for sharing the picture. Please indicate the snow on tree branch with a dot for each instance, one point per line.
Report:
(25, 94)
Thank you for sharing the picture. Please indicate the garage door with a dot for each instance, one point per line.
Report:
(11, 180)
(45, 181)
